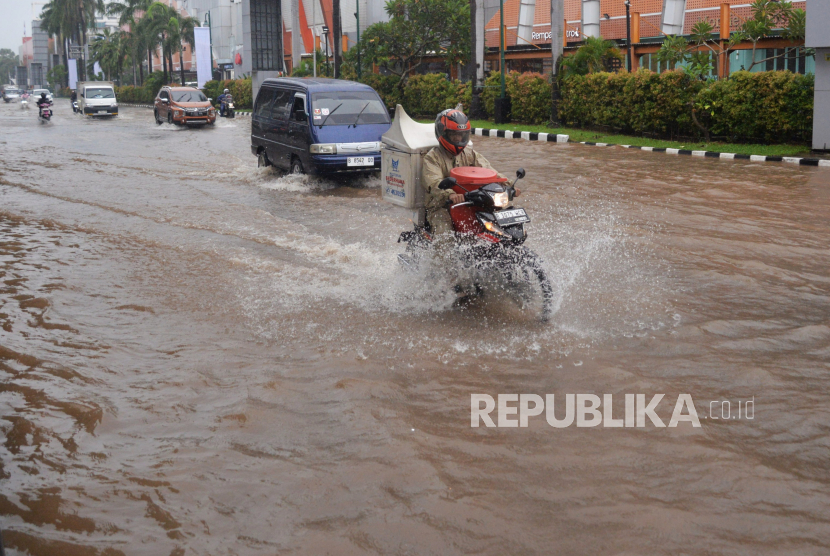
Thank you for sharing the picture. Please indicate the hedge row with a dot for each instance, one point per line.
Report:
(775, 106)
(766, 106)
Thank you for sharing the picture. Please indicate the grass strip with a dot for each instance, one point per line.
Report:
(617, 139)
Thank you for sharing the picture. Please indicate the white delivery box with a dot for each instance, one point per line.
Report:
(402, 154)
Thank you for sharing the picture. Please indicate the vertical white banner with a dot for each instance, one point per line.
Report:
(73, 73)
(202, 52)
(96, 69)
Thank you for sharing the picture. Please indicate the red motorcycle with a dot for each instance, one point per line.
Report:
(489, 233)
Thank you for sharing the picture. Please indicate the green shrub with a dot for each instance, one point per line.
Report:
(386, 86)
(764, 106)
(772, 106)
(429, 94)
(530, 95)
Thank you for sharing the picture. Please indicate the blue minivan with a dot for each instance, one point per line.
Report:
(318, 126)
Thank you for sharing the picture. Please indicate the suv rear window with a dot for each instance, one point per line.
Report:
(348, 108)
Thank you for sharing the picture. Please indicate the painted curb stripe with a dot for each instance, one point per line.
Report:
(548, 137)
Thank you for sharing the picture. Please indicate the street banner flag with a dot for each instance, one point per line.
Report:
(73, 73)
(202, 50)
(96, 69)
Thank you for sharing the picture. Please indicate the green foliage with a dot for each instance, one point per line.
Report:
(56, 77)
(771, 106)
(591, 57)
(134, 95)
(240, 89)
(154, 82)
(386, 86)
(306, 67)
(418, 28)
(429, 94)
(748, 106)
(532, 92)
(8, 61)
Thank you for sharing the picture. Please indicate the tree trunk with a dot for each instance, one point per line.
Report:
(476, 110)
(181, 64)
(149, 61)
(557, 32)
(338, 34)
(164, 63)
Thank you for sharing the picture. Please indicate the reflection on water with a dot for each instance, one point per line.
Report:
(201, 357)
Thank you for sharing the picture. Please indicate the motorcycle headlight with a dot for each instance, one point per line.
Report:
(323, 148)
(501, 200)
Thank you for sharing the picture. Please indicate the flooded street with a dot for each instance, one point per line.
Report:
(199, 357)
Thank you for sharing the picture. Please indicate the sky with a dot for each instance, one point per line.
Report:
(14, 14)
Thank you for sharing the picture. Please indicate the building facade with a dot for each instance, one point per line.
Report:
(528, 31)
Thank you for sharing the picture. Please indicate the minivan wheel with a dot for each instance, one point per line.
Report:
(156, 114)
(297, 166)
(262, 160)
(169, 117)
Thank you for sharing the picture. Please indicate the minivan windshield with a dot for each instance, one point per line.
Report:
(347, 108)
(99, 92)
(189, 96)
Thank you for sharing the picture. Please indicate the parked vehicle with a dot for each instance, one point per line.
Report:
(183, 106)
(319, 126)
(490, 232)
(97, 98)
(11, 93)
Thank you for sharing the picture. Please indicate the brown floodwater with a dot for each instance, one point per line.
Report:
(199, 357)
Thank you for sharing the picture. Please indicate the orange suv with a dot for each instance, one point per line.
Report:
(183, 105)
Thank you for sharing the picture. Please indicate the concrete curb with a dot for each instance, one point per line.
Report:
(553, 138)
(248, 114)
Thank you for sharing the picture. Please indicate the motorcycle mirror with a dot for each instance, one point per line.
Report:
(520, 174)
(447, 183)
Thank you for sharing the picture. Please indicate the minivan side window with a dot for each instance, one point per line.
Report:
(163, 94)
(282, 104)
(299, 105)
(263, 102)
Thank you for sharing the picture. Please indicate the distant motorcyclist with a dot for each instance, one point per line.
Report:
(73, 97)
(452, 129)
(43, 102)
(223, 99)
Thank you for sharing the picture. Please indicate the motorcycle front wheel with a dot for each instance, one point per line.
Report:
(529, 282)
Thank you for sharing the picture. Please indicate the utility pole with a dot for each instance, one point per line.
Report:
(557, 45)
(502, 104)
(210, 40)
(357, 16)
(628, 32)
(338, 37)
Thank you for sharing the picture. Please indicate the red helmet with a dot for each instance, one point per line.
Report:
(452, 129)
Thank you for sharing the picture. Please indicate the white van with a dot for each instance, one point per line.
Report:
(97, 98)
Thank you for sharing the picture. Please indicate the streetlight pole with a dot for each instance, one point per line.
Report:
(210, 40)
(326, 33)
(501, 47)
(357, 16)
(628, 32)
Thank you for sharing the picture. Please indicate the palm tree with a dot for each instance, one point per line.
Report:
(130, 13)
(107, 50)
(591, 57)
(180, 31)
(72, 18)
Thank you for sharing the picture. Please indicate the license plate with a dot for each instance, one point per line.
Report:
(511, 217)
(102, 111)
(360, 161)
